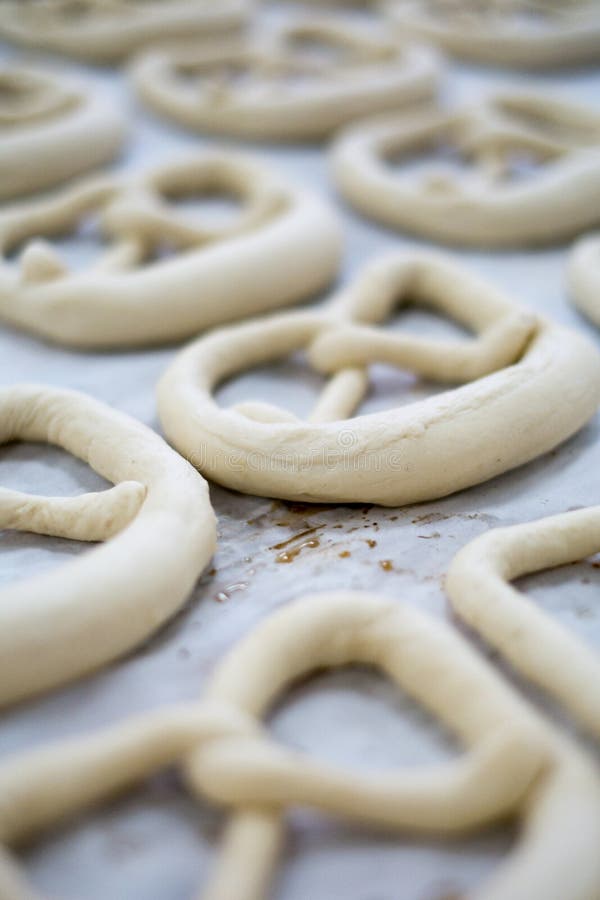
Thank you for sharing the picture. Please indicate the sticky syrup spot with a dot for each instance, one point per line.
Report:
(295, 537)
(372, 543)
(225, 595)
(387, 565)
(288, 556)
(345, 554)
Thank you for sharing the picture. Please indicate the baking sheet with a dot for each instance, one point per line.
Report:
(157, 844)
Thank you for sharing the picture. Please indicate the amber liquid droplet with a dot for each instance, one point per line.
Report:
(386, 564)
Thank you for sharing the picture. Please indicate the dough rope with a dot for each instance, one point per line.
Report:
(489, 204)
(284, 246)
(534, 384)
(157, 521)
(107, 31)
(515, 763)
(246, 89)
(584, 276)
(537, 646)
(531, 34)
(51, 131)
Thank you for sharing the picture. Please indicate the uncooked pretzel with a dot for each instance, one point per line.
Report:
(248, 90)
(51, 131)
(489, 204)
(584, 276)
(543, 651)
(516, 764)
(284, 246)
(534, 383)
(527, 33)
(157, 522)
(107, 31)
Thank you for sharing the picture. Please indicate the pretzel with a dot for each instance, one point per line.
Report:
(531, 34)
(51, 131)
(483, 206)
(284, 246)
(158, 526)
(534, 383)
(537, 646)
(246, 89)
(107, 31)
(515, 762)
(584, 276)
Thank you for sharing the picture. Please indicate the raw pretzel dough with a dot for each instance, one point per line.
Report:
(51, 131)
(157, 522)
(534, 383)
(543, 651)
(484, 205)
(284, 246)
(248, 90)
(515, 762)
(530, 34)
(584, 276)
(106, 31)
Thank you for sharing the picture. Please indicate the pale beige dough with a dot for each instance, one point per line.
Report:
(490, 201)
(298, 82)
(284, 246)
(531, 34)
(532, 385)
(515, 762)
(51, 130)
(584, 276)
(157, 524)
(107, 31)
(478, 583)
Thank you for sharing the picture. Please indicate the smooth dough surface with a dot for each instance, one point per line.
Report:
(526, 172)
(300, 82)
(520, 33)
(478, 583)
(284, 245)
(157, 523)
(107, 32)
(515, 762)
(584, 276)
(51, 130)
(531, 384)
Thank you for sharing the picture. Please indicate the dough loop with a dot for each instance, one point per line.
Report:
(533, 384)
(584, 276)
(157, 522)
(300, 82)
(51, 131)
(107, 31)
(284, 246)
(537, 646)
(515, 763)
(483, 192)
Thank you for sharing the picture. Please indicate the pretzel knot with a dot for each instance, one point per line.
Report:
(503, 412)
(165, 274)
(515, 763)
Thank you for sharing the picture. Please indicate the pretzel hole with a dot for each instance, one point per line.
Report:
(212, 207)
(553, 123)
(326, 47)
(77, 245)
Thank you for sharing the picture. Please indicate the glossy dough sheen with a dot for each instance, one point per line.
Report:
(515, 763)
(157, 522)
(533, 35)
(51, 131)
(368, 73)
(540, 648)
(584, 276)
(284, 246)
(107, 33)
(533, 384)
(484, 204)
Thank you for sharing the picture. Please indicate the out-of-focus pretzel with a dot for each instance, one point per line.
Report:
(158, 526)
(515, 764)
(584, 276)
(51, 131)
(490, 202)
(532, 34)
(298, 82)
(284, 245)
(107, 31)
(531, 385)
